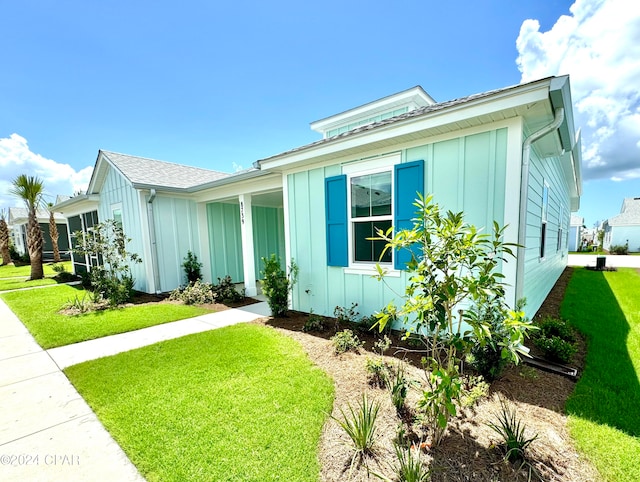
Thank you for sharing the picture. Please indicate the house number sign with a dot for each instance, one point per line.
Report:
(242, 213)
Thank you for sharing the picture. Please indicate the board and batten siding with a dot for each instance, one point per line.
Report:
(464, 173)
(540, 274)
(116, 190)
(223, 223)
(176, 229)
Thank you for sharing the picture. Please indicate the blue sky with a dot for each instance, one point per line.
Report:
(220, 85)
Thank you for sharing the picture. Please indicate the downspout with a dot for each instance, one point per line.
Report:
(152, 240)
(524, 195)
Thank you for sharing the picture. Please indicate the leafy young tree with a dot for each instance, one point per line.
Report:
(112, 280)
(53, 233)
(277, 285)
(4, 238)
(454, 295)
(30, 190)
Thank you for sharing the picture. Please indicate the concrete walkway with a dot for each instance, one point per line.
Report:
(47, 430)
(613, 260)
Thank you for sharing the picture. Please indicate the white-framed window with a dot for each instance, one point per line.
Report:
(116, 214)
(560, 228)
(370, 198)
(543, 224)
(370, 209)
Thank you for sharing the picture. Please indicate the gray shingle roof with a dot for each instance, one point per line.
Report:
(150, 172)
(629, 214)
(421, 111)
(16, 213)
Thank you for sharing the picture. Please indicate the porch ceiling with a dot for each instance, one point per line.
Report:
(266, 200)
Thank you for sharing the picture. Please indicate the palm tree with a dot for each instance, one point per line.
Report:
(53, 232)
(4, 238)
(30, 190)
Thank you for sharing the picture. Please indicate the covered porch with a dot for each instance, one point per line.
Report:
(245, 221)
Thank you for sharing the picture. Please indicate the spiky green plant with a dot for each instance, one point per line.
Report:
(512, 431)
(410, 467)
(360, 425)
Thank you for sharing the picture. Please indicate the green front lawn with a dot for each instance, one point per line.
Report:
(15, 277)
(38, 310)
(237, 403)
(604, 410)
(25, 271)
(19, 283)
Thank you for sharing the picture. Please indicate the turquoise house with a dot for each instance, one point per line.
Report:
(166, 209)
(511, 155)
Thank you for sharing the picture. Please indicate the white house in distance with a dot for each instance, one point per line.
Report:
(510, 155)
(576, 228)
(624, 228)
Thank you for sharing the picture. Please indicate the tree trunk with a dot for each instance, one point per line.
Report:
(53, 232)
(35, 245)
(4, 243)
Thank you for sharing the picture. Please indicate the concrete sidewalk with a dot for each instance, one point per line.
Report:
(65, 356)
(613, 260)
(47, 430)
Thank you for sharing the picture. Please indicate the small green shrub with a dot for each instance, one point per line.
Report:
(550, 327)
(197, 293)
(556, 339)
(65, 277)
(314, 323)
(377, 372)
(366, 324)
(192, 268)
(360, 425)
(346, 340)
(108, 286)
(619, 249)
(383, 344)
(58, 268)
(345, 316)
(556, 349)
(277, 285)
(512, 432)
(473, 390)
(225, 291)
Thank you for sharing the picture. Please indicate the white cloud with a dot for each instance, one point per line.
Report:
(16, 158)
(598, 45)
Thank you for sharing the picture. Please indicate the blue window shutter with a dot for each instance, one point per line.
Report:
(335, 192)
(408, 182)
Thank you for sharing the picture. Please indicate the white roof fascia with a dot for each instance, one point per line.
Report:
(510, 99)
(269, 181)
(78, 205)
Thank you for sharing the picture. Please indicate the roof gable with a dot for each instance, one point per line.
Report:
(629, 213)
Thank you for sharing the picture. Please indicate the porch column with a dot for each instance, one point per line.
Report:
(246, 229)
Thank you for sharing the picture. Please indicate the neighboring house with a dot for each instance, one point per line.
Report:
(18, 219)
(510, 155)
(624, 229)
(576, 232)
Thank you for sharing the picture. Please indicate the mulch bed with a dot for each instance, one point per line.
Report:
(469, 450)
